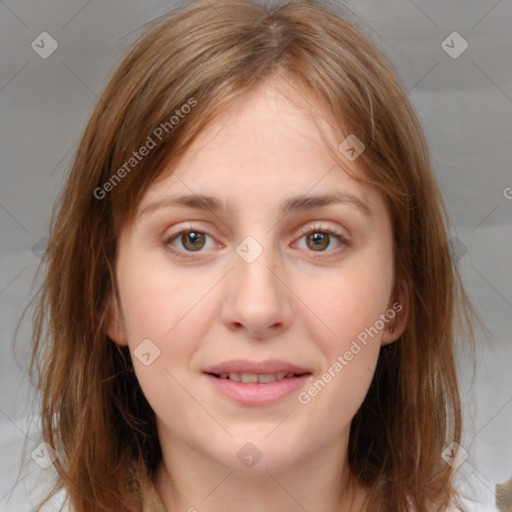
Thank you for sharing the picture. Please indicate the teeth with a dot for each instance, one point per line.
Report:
(264, 379)
(253, 378)
(249, 378)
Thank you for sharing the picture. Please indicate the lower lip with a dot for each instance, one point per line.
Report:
(258, 394)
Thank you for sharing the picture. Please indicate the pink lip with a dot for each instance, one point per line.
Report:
(256, 393)
(258, 367)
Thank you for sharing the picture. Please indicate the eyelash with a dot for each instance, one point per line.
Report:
(344, 242)
(189, 229)
(302, 232)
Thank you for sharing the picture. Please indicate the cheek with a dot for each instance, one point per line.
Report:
(349, 305)
(163, 307)
(341, 389)
(348, 301)
(349, 360)
(157, 299)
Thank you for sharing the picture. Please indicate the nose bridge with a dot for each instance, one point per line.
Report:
(254, 268)
(256, 298)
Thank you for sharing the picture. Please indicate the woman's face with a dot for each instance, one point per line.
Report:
(267, 283)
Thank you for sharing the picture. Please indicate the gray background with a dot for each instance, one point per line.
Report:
(465, 105)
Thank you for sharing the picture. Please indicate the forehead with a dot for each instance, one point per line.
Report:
(267, 144)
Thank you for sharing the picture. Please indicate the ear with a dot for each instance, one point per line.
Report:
(115, 328)
(400, 305)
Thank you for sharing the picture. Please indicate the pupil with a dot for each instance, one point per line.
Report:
(193, 240)
(320, 240)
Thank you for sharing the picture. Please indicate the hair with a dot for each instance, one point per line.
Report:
(93, 410)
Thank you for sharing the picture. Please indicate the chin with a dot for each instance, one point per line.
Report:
(254, 452)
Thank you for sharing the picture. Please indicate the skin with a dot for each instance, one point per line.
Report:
(293, 303)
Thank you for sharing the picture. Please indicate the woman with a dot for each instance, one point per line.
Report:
(250, 300)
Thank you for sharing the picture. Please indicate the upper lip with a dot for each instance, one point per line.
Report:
(268, 367)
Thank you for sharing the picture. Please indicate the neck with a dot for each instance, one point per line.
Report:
(189, 480)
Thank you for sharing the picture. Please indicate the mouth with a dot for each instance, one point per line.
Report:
(255, 378)
(261, 383)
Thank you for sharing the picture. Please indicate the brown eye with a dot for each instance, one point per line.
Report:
(193, 240)
(318, 241)
(322, 240)
(189, 241)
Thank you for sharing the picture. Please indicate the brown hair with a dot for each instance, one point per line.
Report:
(203, 55)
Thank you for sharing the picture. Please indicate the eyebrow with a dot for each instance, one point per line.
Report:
(293, 204)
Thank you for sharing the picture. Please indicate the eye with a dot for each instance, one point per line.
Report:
(318, 239)
(192, 239)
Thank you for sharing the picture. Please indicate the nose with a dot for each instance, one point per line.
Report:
(256, 301)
